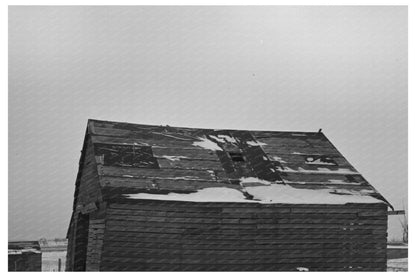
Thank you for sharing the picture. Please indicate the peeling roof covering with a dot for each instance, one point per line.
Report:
(21, 247)
(137, 161)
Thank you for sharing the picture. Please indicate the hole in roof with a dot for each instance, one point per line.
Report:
(126, 155)
(236, 156)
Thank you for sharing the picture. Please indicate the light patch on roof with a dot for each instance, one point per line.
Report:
(203, 195)
(170, 136)
(266, 194)
(216, 138)
(255, 143)
(320, 170)
(319, 162)
(250, 180)
(139, 144)
(335, 181)
(286, 195)
(322, 183)
(174, 158)
(228, 138)
(212, 173)
(186, 178)
(223, 138)
(338, 170)
(342, 182)
(362, 191)
(14, 252)
(207, 144)
(277, 159)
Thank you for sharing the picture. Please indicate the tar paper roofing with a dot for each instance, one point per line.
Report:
(136, 161)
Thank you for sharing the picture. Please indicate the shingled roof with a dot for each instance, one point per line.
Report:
(137, 161)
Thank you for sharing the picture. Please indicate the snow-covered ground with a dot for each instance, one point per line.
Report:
(397, 264)
(50, 260)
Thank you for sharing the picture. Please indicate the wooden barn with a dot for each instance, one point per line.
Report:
(161, 198)
(24, 256)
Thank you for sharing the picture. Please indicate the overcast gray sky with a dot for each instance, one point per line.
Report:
(342, 69)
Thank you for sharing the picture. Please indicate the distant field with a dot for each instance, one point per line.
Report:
(397, 264)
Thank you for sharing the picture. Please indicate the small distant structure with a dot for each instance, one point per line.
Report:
(163, 198)
(25, 256)
(53, 254)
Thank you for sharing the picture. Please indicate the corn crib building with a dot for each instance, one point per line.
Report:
(161, 198)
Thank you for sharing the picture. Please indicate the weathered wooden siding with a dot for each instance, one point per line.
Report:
(70, 247)
(89, 188)
(80, 242)
(146, 235)
(95, 244)
(25, 262)
(87, 199)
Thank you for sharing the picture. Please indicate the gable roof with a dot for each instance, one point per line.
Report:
(137, 161)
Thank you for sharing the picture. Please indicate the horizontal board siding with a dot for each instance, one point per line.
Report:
(89, 189)
(163, 243)
(86, 196)
(256, 227)
(258, 238)
(95, 244)
(165, 236)
(260, 221)
(323, 266)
